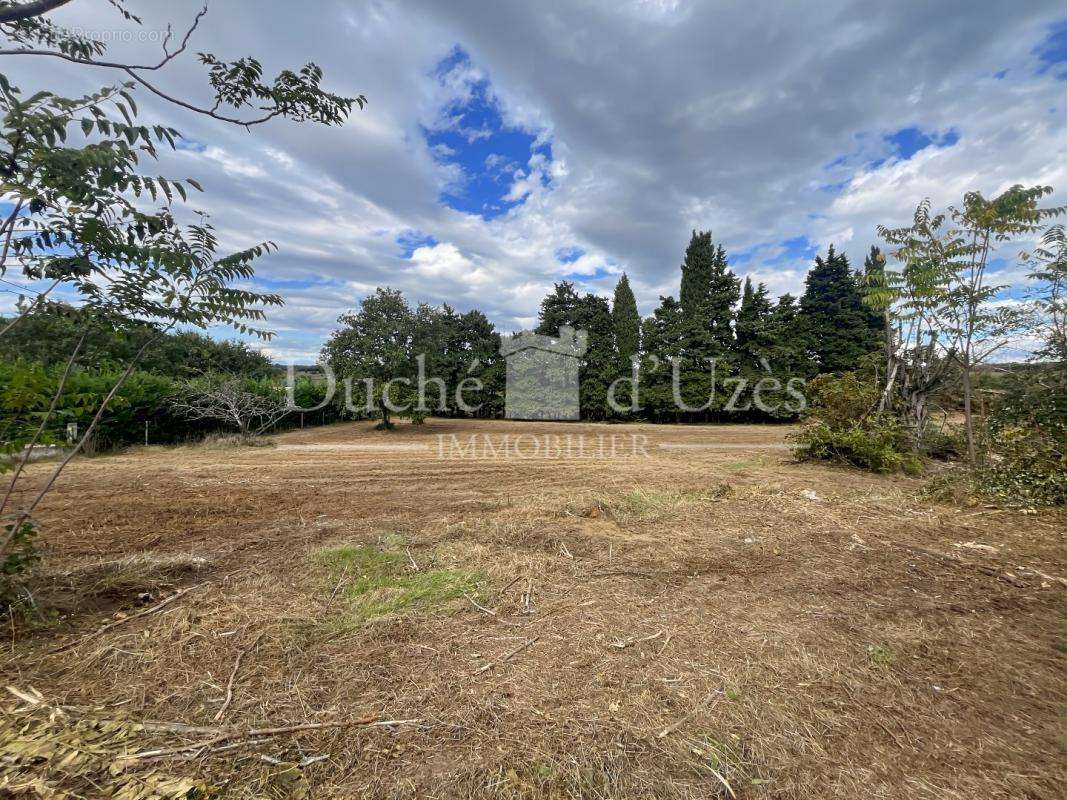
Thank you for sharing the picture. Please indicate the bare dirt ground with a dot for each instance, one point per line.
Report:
(702, 619)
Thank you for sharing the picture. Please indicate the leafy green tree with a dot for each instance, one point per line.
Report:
(375, 349)
(837, 323)
(84, 216)
(917, 365)
(48, 337)
(976, 326)
(944, 290)
(1049, 265)
(473, 369)
(626, 321)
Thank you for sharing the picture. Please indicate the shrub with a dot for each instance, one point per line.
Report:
(1025, 461)
(878, 444)
(1029, 468)
(841, 401)
(844, 428)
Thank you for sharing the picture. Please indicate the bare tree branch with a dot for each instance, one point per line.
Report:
(27, 10)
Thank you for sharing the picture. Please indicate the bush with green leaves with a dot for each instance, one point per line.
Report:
(843, 427)
(1025, 462)
(879, 444)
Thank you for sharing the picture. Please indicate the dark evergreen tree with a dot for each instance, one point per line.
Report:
(599, 366)
(709, 291)
(626, 321)
(663, 337)
(755, 336)
(696, 273)
(558, 308)
(873, 272)
(836, 321)
(789, 354)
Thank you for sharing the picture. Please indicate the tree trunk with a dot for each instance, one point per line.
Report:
(385, 424)
(968, 415)
(891, 364)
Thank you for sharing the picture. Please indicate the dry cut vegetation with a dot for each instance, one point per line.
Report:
(347, 615)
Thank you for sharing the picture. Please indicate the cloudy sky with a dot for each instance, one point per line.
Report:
(507, 145)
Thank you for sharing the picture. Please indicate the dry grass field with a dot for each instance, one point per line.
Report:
(347, 613)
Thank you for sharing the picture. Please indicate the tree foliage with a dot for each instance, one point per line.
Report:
(87, 217)
(625, 321)
(414, 362)
(47, 337)
(838, 326)
(942, 299)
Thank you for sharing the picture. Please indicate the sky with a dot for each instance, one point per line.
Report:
(509, 145)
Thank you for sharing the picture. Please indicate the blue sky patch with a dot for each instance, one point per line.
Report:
(836, 187)
(568, 255)
(471, 135)
(741, 257)
(797, 248)
(1000, 74)
(284, 284)
(410, 241)
(909, 141)
(1052, 51)
(191, 145)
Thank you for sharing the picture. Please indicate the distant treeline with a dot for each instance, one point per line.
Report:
(717, 319)
(34, 355)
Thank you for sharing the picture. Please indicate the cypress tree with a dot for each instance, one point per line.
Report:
(709, 291)
(723, 296)
(836, 321)
(753, 327)
(626, 321)
(696, 273)
(663, 336)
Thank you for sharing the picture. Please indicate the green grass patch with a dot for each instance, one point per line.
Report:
(740, 467)
(378, 583)
(880, 655)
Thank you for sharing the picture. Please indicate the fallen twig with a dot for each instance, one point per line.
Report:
(527, 595)
(233, 675)
(414, 566)
(131, 618)
(510, 583)
(336, 589)
(249, 737)
(490, 664)
(479, 606)
(623, 643)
